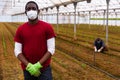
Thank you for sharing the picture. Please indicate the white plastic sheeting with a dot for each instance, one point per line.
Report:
(97, 7)
(17, 6)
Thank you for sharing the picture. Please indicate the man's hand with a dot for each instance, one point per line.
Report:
(37, 65)
(95, 49)
(34, 69)
(30, 69)
(99, 50)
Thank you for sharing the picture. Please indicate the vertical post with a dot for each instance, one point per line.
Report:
(96, 17)
(41, 14)
(104, 19)
(75, 5)
(78, 19)
(107, 1)
(63, 19)
(89, 18)
(115, 17)
(14, 3)
(57, 18)
(11, 4)
(46, 14)
(69, 19)
(43, 17)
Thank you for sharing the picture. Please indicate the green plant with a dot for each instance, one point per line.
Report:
(4, 44)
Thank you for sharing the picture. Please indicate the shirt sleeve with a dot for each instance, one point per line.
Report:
(50, 32)
(51, 45)
(18, 37)
(18, 48)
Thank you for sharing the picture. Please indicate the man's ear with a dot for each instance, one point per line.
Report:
(38, 11)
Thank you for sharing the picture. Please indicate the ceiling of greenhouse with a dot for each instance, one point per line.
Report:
(8, 7)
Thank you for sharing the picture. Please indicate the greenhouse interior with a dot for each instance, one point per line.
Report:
(73, 26)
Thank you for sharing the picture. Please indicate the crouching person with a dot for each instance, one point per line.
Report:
(99, 45)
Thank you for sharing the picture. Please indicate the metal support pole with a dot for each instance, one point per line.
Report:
(42, 16)
(69, 19)
(89, 18)
(78, 19)
(75, 5)
(46, 14)
(14, 3)
(57, 19)
(115, 17)
(63, 19)
(107, 1)
(104, 19)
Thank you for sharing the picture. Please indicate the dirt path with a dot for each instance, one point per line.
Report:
(1, 56)
(105, 62)
(10, 65)
(72, 69)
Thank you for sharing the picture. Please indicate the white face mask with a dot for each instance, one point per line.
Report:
(32, 14)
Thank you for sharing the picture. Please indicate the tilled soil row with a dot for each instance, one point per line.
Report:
(72, 69)
(10, 65)
(102, 61)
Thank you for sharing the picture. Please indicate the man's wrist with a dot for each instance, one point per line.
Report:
(38, 65)
(28, 66)
(27, 63)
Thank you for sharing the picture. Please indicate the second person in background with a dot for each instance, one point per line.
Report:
(99, 45)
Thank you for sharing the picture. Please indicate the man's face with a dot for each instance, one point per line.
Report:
(32, 11)
(31, 6)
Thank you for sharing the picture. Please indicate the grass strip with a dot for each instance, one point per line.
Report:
(4, 45)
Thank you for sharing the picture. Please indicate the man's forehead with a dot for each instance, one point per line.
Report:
(31, 5)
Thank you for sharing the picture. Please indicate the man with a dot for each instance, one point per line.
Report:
(34, 45)
(99, 45)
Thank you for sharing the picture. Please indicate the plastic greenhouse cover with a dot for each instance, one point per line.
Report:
(17, 6)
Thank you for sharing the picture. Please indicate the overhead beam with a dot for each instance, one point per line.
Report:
(88, 1)
(55, 5)
(65, 3)
(78, 11)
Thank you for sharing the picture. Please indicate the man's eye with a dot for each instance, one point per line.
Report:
(34, 9)
(28, 9)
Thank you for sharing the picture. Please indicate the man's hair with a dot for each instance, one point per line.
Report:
(33, 3)
(98, 39)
